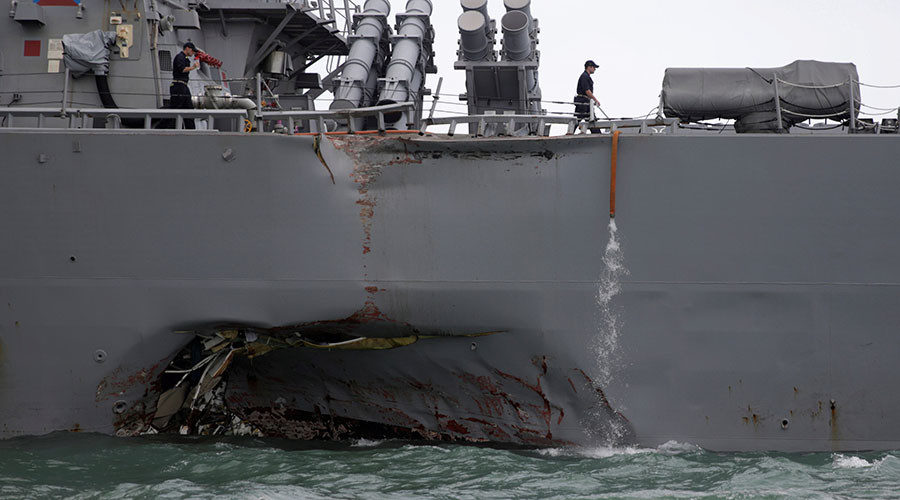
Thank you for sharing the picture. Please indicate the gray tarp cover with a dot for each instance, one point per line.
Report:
(747, 95)
(88, 52)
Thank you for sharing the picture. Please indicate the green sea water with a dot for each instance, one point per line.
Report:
(90, 466)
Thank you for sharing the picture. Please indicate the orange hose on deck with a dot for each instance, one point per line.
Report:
(612, 175)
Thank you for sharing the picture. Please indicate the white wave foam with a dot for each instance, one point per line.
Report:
(852, 462)
(426, 447)
(366, 443)
(667, 448)
(674, 448)
(595, 452)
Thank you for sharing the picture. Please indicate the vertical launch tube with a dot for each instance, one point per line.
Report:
(516, 36)
(355, 79)
(403, 78)
(523, 6)
(479, 6)
(473, 40)
(518, 30)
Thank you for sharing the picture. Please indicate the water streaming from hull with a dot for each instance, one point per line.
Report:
(606, 342)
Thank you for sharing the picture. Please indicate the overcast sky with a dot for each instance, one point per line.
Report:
(633, 41)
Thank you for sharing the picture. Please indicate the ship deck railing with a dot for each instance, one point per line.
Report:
(348, 117)
(315, 120)
(657, 125)
(76, 118)
(83, 118)
(539, 124)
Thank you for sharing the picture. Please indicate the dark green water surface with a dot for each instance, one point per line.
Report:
(92, 466)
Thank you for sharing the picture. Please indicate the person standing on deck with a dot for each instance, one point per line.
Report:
(179, 93)
(585, 92)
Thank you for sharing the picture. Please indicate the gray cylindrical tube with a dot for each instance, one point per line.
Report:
(516, 39)
(472, 38)
(405, 55)
(479, 5)
(736, 93)
(401, 75)
(419, 7)
(395, 119)
(523, 6)
(355, 76)
(520, 5)
(476, 5)
(373, 7)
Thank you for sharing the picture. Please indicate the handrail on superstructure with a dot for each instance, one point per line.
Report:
(542, 122)
(84, 114)
(779, 108)
(644, 126)
(74, 115)
(328, 11)
(670, 124)
(80, 118)
(335, 114)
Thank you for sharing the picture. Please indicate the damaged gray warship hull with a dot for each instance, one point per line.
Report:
(316, 275)
(495, 368)
(758, 313)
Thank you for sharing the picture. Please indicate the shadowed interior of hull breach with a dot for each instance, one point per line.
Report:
(323, 380)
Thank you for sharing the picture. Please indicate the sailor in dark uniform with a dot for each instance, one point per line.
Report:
(585, 93)
(179, 93)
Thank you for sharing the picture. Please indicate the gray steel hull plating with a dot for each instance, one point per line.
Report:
(759, 312)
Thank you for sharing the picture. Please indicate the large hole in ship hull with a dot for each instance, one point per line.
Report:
(319, 381)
